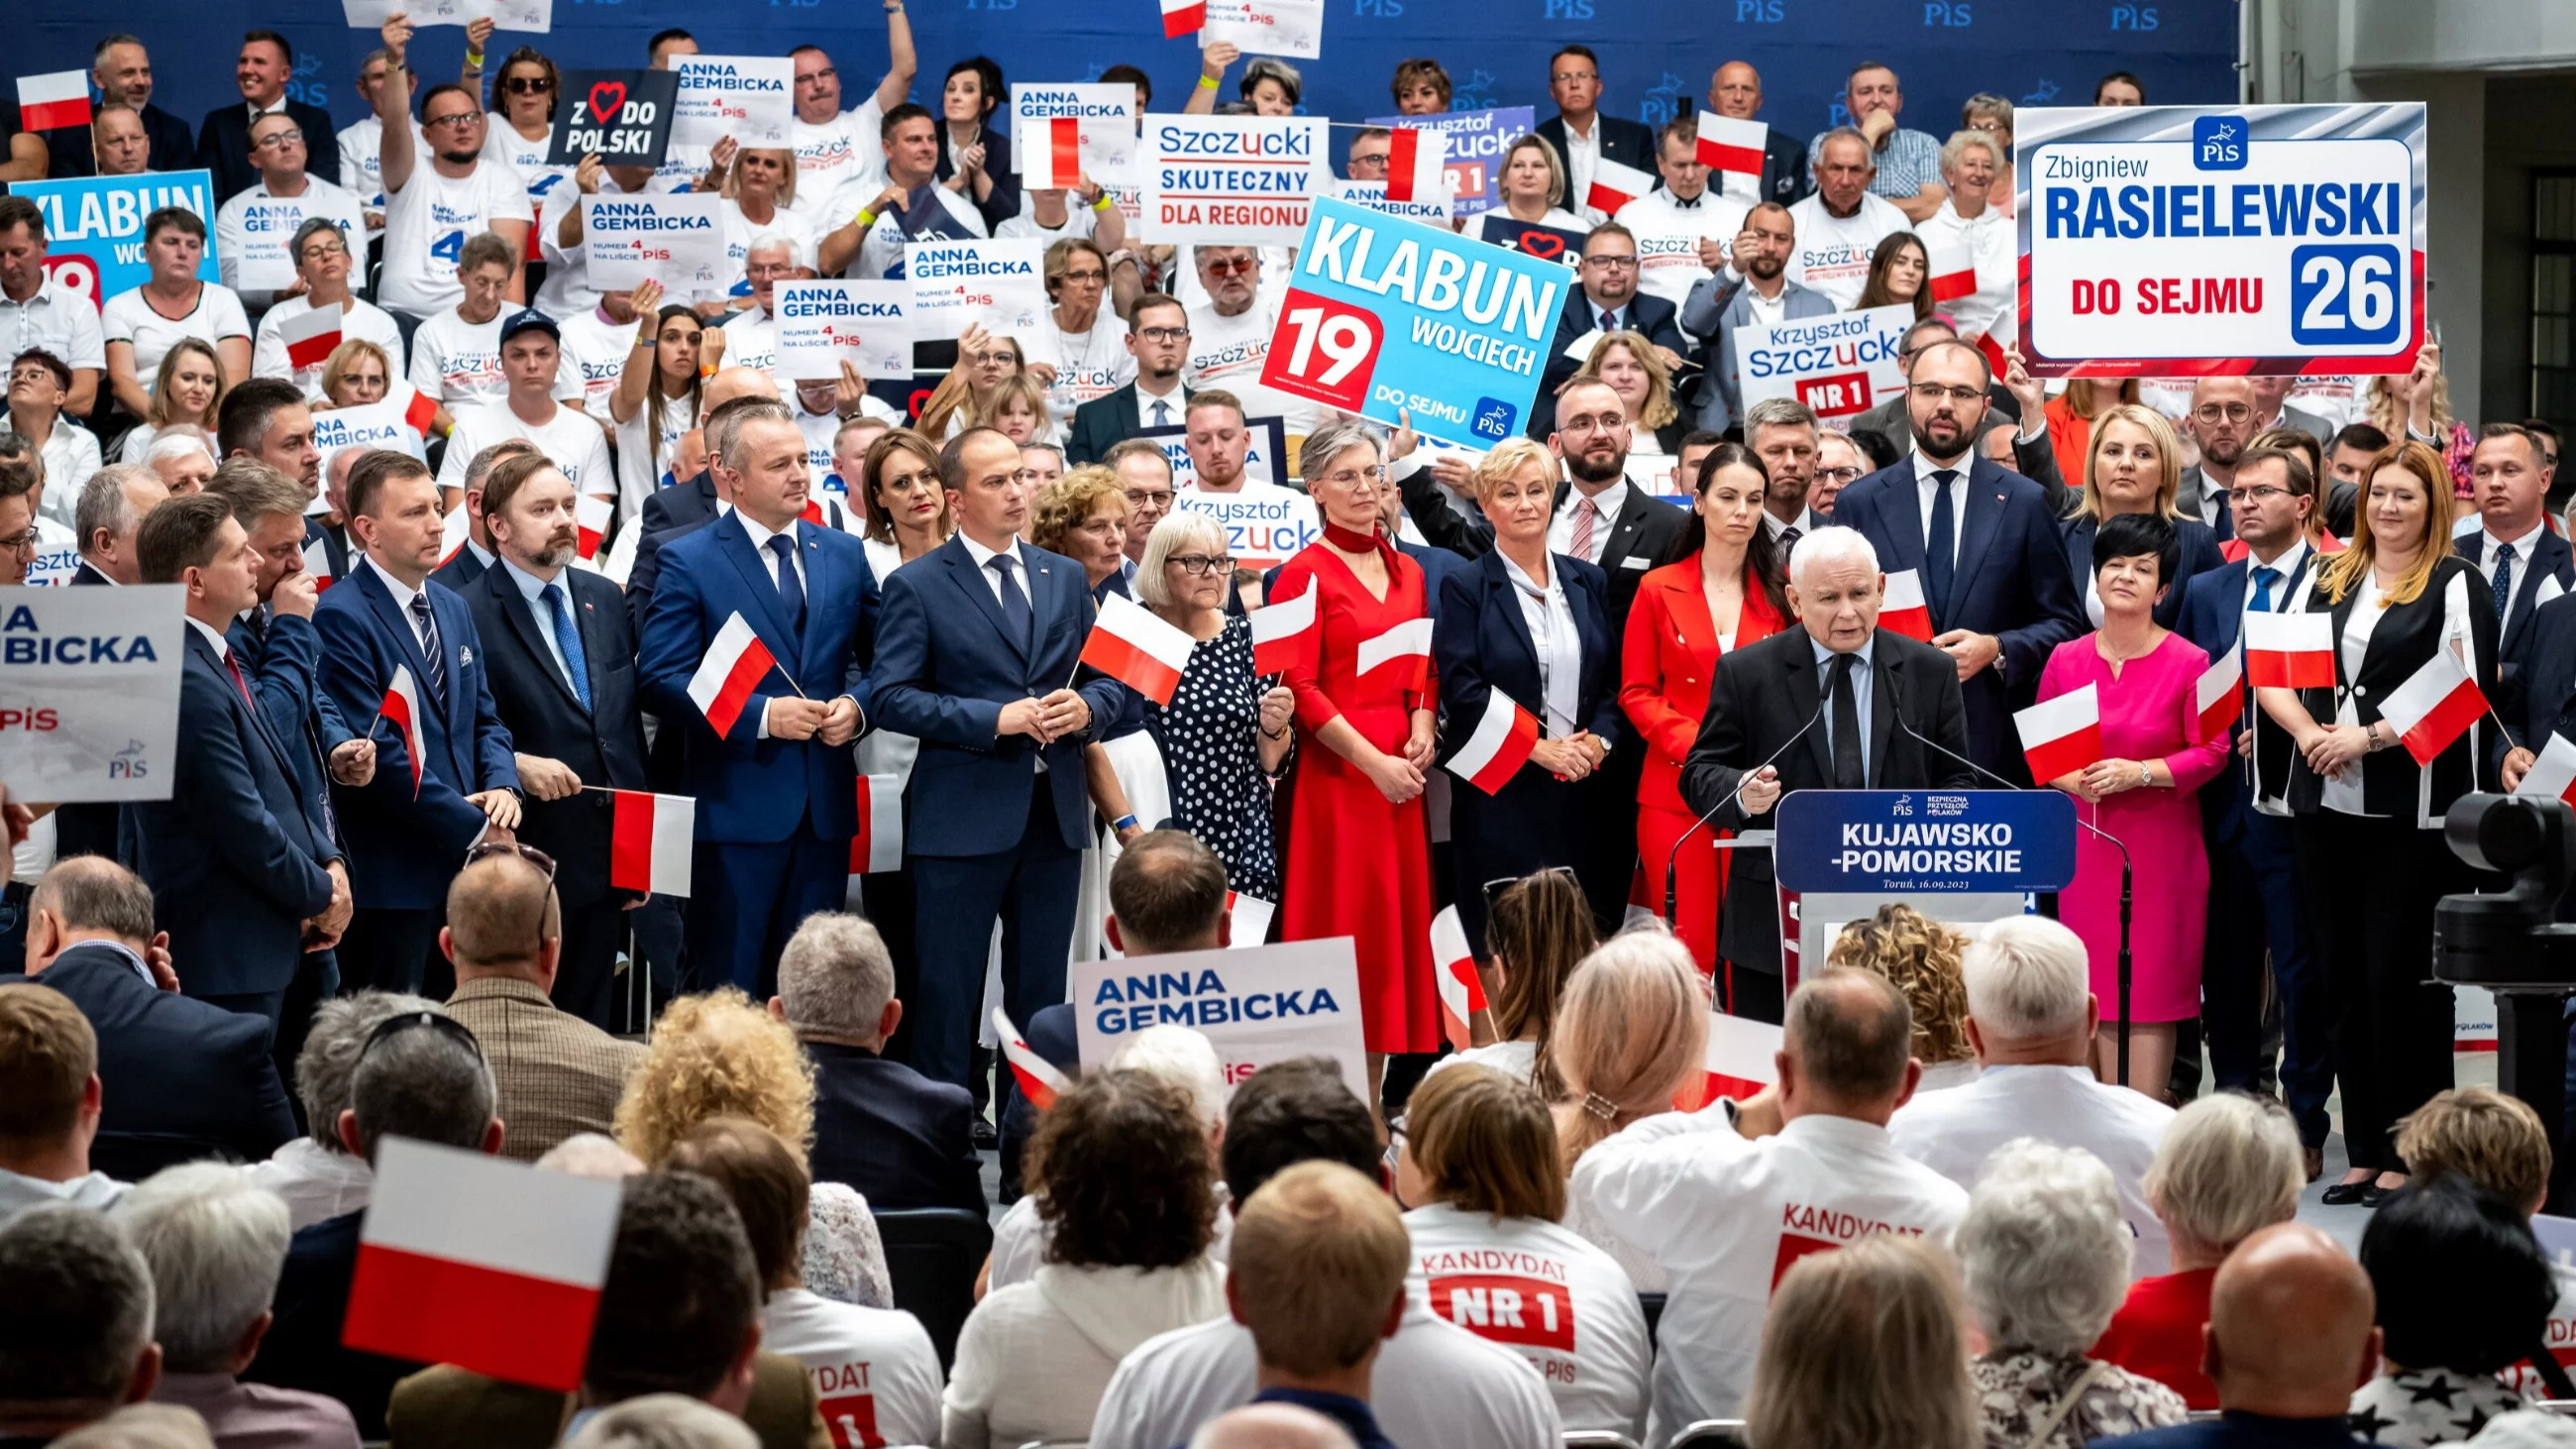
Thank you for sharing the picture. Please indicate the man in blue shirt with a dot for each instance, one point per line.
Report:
(1316, 1272)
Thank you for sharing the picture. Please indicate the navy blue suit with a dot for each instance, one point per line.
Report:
(2009, 580)
(990, 835)
(901, 1139)
(2199, 555)
(2254, 899)
(668, 513)
(775, 816)
(2549, 555)
(283, 656)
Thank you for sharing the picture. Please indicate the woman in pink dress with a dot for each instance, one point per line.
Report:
(2145, 791)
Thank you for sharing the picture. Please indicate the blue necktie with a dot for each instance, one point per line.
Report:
(1015, 601)
(791, 589)
(568, 639)
(1610, 320)
(2503, 580)
(1938, 546)
(431, 649)
(2264, 579)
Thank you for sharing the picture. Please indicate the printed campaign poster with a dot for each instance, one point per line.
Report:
(824, 324)
(999, 284)
(1430, 210)
(370, 425)
(1477, 140)
(1255, 1006)
(1086, 129)
(267, 228)
(89, 692)
(1837, 365)
(534, 17)
(1267, 27)
(94, 228)
(748, 97)
(674, 239)
(624, 116)
(1233, 180)
(2186, 241)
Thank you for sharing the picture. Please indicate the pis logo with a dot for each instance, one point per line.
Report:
(2218, 143)
(128, 763)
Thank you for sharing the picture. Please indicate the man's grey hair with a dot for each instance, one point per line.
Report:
(79, 1314)
(724, 437)
(592, 1155)
(216, 1242)
(178, 440)
(329, 1059)
(1848, 133)
(776, 241)
(422, 1084)
(2028, 977)
(1831, 546)
(103, 503)
(665, 1421)
(835, 976)
(2043, 1250)
(1776, 412)
(92, 893)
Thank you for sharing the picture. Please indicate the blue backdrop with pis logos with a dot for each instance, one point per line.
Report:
(1656, 55)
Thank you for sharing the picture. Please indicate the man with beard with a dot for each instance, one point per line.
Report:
(2221, 422)
(556, 641)
(1983, 546)
(431, 209)
(1158, 337)
(1749, 287)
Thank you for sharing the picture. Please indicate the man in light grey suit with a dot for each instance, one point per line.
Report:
(1752, 287)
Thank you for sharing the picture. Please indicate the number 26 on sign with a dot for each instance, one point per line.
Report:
(1325, 350)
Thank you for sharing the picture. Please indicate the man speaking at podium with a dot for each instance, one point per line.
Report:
(1839, 704)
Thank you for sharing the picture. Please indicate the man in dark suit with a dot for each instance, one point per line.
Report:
(1606, 300)
(2016, 397)
(461, 572)
(122, 70)
(979, 645)
(112, 504)
(562, 661)
(776, 788)
(2525, 561)
(179, 1079)
(2220, 424)
(687, 504)
(1724, 300)
(261, 69)
(1845, 684)
(1735, 91)
(240, 857)
(2254, 900)
(1582, 135)
(901, 1139)
(1983, 546)
(1158, 337)
(409, 827)
(331, 530)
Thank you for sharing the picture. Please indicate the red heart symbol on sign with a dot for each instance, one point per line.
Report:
(607, 99)
(1546, 246)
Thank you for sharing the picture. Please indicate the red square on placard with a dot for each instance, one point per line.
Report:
(1507, 1308)
(1840, 395)
(852, 1419)
(1323, 350)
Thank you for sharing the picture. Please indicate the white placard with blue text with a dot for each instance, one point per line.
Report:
(998, 284)
(1300, 999)
(676, 240)
(1232, 180)
(89, 692)
(1840, 365)
(371, 425)
(1106, 126)
(1267, 27)
(94, 228)
(750, 98)
(824, 324)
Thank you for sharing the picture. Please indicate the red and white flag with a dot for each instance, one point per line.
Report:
(1406, 648)
(488, 1264)
(1284, 634)
(1499, 745)
(317, 562)
(1039, 1081)
(650, 838)
(453, 531)
(422, 412)
(2289, 651)
(312, 337)
(1614, 186)
(54, 100)
(2219, 698)
(1742, 1057)
(1953, 270)
(1997, 362)
(2062, 735)
(1133, 646)
(734, 666)
(1417, 164)
(402, 706)
(1251, 920)
(2553, 775)
(878, 847)
(1903, 608)
(1054, 154)
(1733, 149)
(2435, 706)
(1453, 971)
(1183, 17)
(590, 516)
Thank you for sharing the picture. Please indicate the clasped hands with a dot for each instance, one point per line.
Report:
(1046, 719)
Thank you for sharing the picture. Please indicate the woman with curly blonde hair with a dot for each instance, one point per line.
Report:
(717, 1055)
(1921, 956)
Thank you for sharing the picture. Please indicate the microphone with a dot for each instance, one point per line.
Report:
(1672, 858)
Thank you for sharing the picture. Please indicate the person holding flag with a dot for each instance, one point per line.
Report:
(2370, 790)
(287, 342)
(2142, 786)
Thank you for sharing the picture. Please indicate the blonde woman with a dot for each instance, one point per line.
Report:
(964, 397)
(1921, 956)
(1627, 363)
(1224, 736)
(188, 388)
(358, 372)
(2071, 414)
(1863, 1349)
(1533, 191)
(1631, 1032)
(2133, 464)
(759, 185)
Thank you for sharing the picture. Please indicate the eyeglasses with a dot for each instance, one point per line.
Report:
(1348, 476)
(992, 359)
(1200, 565)
(1164, 334)
(325, 247)
(279, 140)
(1837, 475)
(410, 1021)
(1085, 278)
(1149, 498)
(1494, 888)
(486, 850)
(1239, 266)
(1590, 423)
(32, 373)
(19, 542)
(458, 119)
(1933, 392)
(757, 270)
(1615, 264)
(1370, 158)
(2260, 493)
(2216, 413)
(528, 85)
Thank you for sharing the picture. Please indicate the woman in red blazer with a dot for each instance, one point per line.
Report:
(1730, 591)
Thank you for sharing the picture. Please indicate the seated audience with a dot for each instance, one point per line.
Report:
(1271, 1426)
(76, 1335)
(216, 1242)
(1631, 1032)
(1921, 956)
(49, 1103)
(1863, 1350)
(664, 1421)
(2463, 1293)
(2045, 1257)
(1319, 1280)
(2228, 1166)
(2031, 1020)
(142, 1426)
(1537, 931)
(2498, 1143)
(317, 1174)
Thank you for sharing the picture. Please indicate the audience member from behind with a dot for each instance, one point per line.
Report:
(664, 1421)
(1862, 1350)
(215, 1243)
(1318, 1277)
(142, 1426)
(1479, 1169)
(316, 1174)
(1631, 1030)
(2498, 1143)
(1921, 956)
(1537, 931)
(2228, 1167)
(1271, 1426)
(49, 1103)
(556, 1073)
(2031, 1016)
(2463, 1293)
(2046, 1259)
(76, 1328)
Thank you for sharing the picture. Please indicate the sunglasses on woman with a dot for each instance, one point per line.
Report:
(528, 85)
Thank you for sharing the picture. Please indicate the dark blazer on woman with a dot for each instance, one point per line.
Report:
(2199, 555)
(2391, 782)
(1005, 201)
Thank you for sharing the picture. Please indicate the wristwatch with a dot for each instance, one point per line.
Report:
(2146, 777)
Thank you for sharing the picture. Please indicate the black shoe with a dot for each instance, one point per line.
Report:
(2373, 1195)
(2344, 1194)
(986, 1138)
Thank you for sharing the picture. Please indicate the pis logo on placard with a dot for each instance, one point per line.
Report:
(128, 763)
(2218, 143)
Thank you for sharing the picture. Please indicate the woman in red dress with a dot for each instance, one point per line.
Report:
(1359, 859)
(1726, 594)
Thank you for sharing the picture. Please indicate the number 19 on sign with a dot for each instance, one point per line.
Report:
(1331, 352)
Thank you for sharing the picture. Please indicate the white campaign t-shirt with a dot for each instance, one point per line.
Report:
(875, 1371)
(362, 165)
(526, 157)
(1228, 353)
(358, 322)
(458, 362)
(847, 148)
(1831, 253)
(1989, 241)
(1088, 365)
(1079, 221)
(881, 252)
(1545, 1293)
(427, 222)
(1668, 236)
(255, 227)
(571, 441)
(594, 357)
(751, 340)
(127, 317)
(740, 231)
(640, 467)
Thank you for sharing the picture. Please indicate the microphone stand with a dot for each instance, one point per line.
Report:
(1672, 858)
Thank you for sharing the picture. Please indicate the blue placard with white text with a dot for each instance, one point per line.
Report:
(94, 226)
(1918, 842)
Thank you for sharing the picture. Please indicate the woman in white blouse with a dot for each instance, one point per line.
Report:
(186, 389)
(143, 322)
(1533, 195)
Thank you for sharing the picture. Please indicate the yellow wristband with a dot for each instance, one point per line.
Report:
(1207, 82)
(1104, 203)
(866, 218)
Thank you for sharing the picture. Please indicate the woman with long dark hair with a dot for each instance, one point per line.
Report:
(1900, 275)
(657, 395)
(975, 158)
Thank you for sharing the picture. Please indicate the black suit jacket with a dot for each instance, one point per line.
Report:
(1630, 143)
(1104, 422)
(1657, 320)
(460, 572)
(174, 147)
(223, 145)
(179, 1079)
(603, 744)
(1766, 693)
(2550, 557)
(1784, 168)
(302, 1350)
(2403, 641)
(667, 514)
(2199, 555)
(1649, 534)
(901, 1139)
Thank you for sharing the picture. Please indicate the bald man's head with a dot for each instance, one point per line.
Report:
(2291, 1325)
(733, 382)
(1271, 1426)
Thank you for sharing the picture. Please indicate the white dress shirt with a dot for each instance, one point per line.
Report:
(1173, 401)
(533, 589)
(2522, 569)
(1606, 503)
(1582, 158)
(1549, 616)
(1924, 485)
(2288, 564)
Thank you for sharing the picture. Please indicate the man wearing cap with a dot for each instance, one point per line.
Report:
(531, 349)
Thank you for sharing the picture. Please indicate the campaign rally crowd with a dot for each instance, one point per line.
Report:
(638, 764)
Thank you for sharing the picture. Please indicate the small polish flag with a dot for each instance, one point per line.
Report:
(1614, 186)
(1057, 162)
(50, 102)
(650, 838)
(1498, 747)
(1251, 919)
(453, 530)
(2435, 706)
(1039, 1081)
(1417, 164)
(1183, 17)
(734, 665)
(402, 706)
(1453, 970)
(1996, 361)
(2553, 775)
(313, 337)
(1903, 608)
(1131, 645)
(1742, 1057)
(2289, 651)
(317, 562)
(2062, 735)
(1953, 271)
(1283, 634)
(590, 515)
(1733, 149)
(491, 1265)
(2220, 695)
(1407, 646)
(878, 847)
(422, 414)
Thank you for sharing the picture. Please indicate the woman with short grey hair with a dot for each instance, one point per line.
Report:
(2045, 1255)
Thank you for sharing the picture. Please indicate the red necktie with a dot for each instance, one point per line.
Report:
(238, 682)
